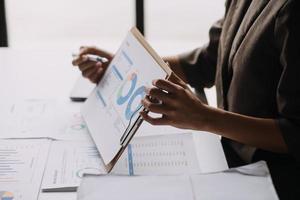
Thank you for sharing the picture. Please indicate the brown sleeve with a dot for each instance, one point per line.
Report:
(199, 66)
(288, 91)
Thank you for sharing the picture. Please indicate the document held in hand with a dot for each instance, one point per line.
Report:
(111, 112)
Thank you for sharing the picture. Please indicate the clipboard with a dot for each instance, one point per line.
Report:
(90, 109)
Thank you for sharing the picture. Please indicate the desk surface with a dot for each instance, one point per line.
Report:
(27, 74)
(47, 74)
(36, 74)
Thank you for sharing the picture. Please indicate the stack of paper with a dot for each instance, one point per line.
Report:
(151, 155)
(250, 182)
(72, 152)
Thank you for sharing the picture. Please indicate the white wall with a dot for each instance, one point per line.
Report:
(171, 25)
(181, 24)
(68, 22)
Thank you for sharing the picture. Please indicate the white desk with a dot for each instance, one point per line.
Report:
(47, 74)
(27, 74)
(36, 74)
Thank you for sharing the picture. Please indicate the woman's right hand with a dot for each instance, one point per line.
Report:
(94, 71)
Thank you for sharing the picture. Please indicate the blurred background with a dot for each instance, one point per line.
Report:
(171, 26)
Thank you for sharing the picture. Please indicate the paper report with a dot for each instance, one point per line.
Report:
(68, 162)
(156, 155)
(42, 118)
(22, 164)
(159, 155)
(114, 103)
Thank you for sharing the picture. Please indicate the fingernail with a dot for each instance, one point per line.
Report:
(98, 64)
(84, 58)
(99, 70)
(147, 90)
(154, 82)
(142, 113)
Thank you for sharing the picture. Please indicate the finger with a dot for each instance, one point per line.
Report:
(166, 85)
(97, 76)
(89, 50)
(175, 79)
(84, 66)
(155, 107)
(94, 78)
(79, 60)
(100, 72)
(159, 95)
(154, 121)
(89, 73)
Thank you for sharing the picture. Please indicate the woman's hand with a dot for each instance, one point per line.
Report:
(90, 69)
(181, 108)
(178, 105)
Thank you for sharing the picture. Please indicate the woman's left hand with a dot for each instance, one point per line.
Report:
(179, 106)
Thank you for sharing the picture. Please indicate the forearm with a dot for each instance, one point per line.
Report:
(181, 108)
(174, 63)
(257, 132)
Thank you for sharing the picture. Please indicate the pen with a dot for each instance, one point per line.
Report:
(93, 58)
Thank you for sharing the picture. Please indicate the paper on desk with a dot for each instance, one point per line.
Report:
(40, 118)
(255, 169)
(22, 164)
(169, 154)
(58, 195)
(147, 129)
(210, 152)
(222, 185)
(24, 118)
(156, 155)
(248, 182)
(67, 163)
(208, 146)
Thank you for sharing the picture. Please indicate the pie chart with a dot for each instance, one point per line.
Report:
(4, 195)
(131, 80)
(128, 93)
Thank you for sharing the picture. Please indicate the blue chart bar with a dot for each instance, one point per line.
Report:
(127, 57)
(100, 98)
(117, 72)
(130, 160)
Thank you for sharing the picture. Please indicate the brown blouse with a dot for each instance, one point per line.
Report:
(253, 58)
